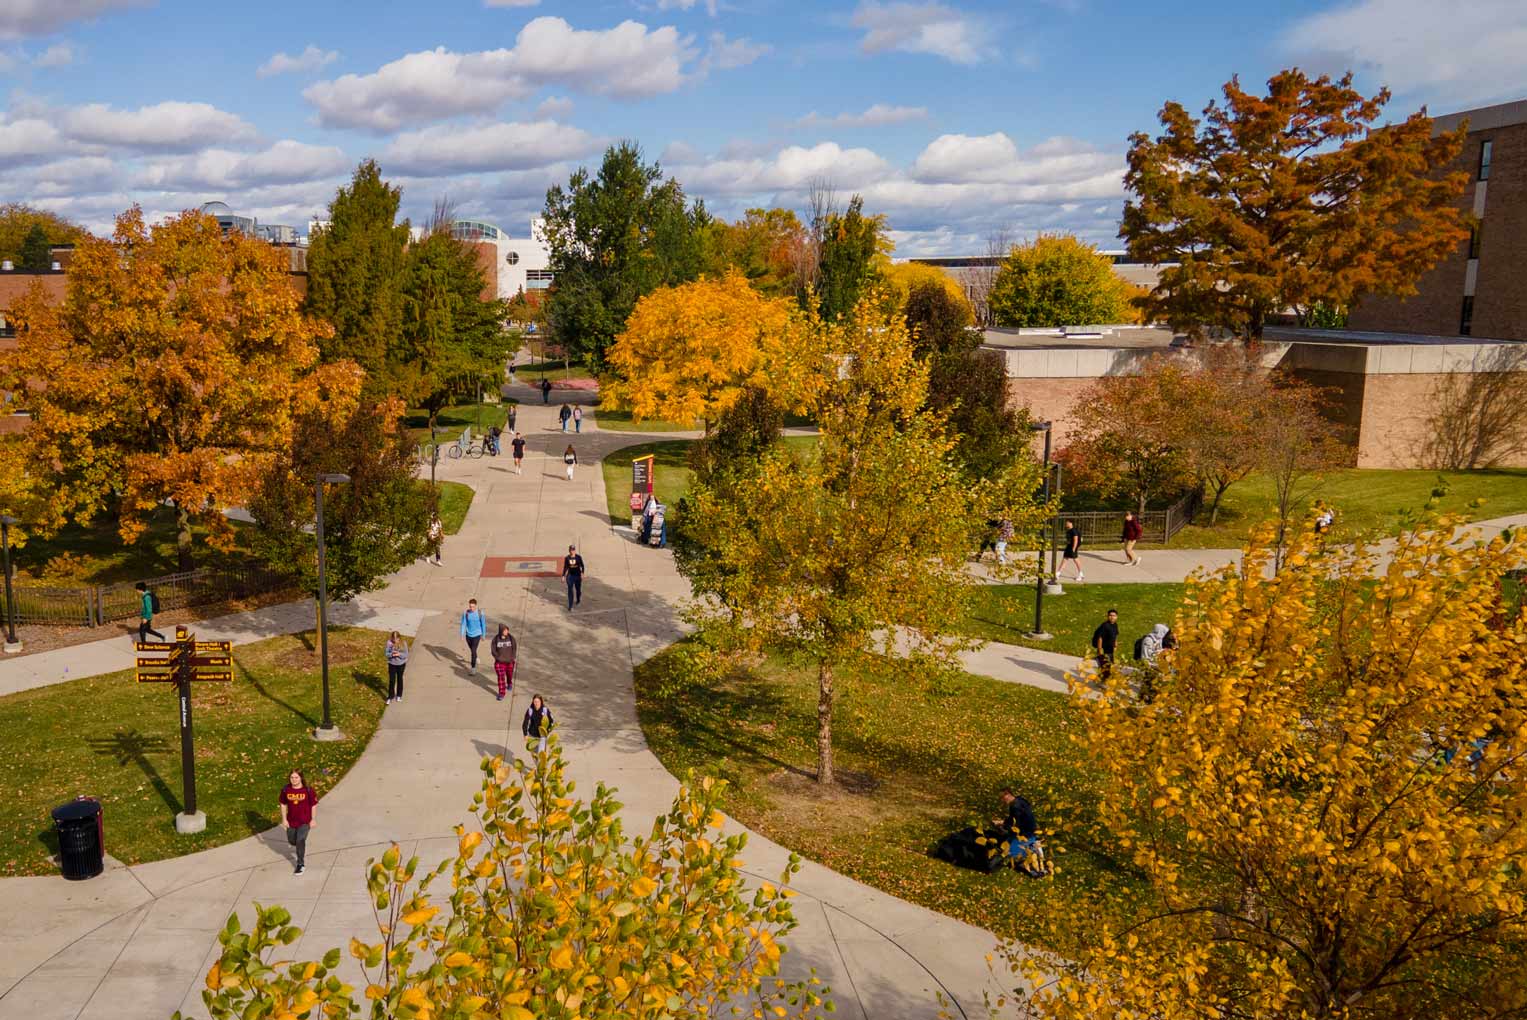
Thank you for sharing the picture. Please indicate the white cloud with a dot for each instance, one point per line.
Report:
(791, 168)
(286, 162)
(878, 115)
(57, 55)
(932, 28)
(28, 140)
(1458, 53)
(627, 61)
(310, 59)
(686, 5)
(167, 127)
(451, 149)
(554, 106)
(724, 54)
(20, 18)
(1057, 167)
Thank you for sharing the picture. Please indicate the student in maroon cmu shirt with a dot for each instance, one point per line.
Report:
(297, 800)
(1129, 536)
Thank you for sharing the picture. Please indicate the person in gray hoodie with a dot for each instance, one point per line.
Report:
(397, 659)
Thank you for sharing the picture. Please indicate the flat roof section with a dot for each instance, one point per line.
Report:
(1082, 338)
(1294, 334)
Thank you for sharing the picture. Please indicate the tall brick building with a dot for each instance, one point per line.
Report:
(1480, 290)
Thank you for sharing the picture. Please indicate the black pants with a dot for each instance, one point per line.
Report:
(395, 679)
(574, 589)
(145, 628)
(472, 644)
(298, 837)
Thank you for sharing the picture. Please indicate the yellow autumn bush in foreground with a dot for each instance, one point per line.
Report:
(1326, 794)
(551, 914)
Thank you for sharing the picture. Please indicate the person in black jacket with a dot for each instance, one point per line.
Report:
(1022, 831)
(537, 724)
(1104, 640)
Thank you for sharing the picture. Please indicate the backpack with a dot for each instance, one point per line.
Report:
(1140, 648)
(153, 601)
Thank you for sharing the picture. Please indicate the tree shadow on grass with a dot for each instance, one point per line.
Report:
(265, 693)
(371, 681)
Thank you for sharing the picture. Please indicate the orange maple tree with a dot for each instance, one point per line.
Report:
(171, 374)
(1291, 199)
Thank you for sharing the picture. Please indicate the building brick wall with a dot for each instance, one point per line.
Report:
(1049, 400)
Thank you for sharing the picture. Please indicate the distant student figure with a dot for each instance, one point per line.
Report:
(570, 459)
(436, 538)
(563, 415)
(149, 605)
(473, 626)
(572, 571)
(1129, 536)
(537, 724)
(504, 653)
(513, 414)
(578, 419)
(1104, 640)
(397, 661)
(1004, 536)
(1324, 518)
(545, 390)
(518, 445)
(1072, 553)
(1150, 647)
(297, 801)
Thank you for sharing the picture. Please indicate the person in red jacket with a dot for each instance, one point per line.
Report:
(296, 802)
(1131, 535)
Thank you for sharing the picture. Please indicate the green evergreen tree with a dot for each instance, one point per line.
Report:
(36, 254)
(614, 237)
(355, 274)
(850, 241)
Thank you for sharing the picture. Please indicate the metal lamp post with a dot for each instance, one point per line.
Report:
(326, 730)
(12, 643)
(1038, 633)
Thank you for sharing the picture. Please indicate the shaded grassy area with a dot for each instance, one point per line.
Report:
(455, 501)
(917, 762)
(612, 420)
(453, 419)
(96, 554)
(534, 372)
(671, 469)
(1005, 612)
(1367, 501)
(117, 740)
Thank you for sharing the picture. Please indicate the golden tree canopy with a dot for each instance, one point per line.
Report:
(171, 373)
(688, 352)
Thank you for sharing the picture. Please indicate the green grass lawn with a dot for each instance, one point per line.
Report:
(96, 554)
(612, 420)
(1005, 612)
(672, 472)
(112, 738)
(1367, 501)
(455, 501)
(451, 420)
(916, 763)
(553, 370)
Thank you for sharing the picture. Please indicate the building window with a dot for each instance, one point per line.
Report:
(1474, 241)
(1466, 321)
(1484, 160)
(513, 258)
(538, 279)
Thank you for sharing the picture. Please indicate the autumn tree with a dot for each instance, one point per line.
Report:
(548, 909)
(1324, 797)
(36, 251)
(1057, 280)
(1293, 199)
(1126, 435)
(356, 268)
(854, 549)
(17, 221)
(765, 246)
(688, 352)
(901, 279)
(376, 523)
(1297, 444)
(851, 248)
(1222, 406)
(173, 373)
(614, 237)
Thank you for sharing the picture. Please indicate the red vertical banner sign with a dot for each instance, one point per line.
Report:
(642, 480)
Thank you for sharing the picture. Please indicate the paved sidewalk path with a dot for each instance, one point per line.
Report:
(136, 942)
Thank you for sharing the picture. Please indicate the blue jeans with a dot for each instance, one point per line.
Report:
(578, 425)
(574, 589)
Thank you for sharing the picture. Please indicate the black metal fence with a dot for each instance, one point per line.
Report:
(95, 605)
(1105, 527)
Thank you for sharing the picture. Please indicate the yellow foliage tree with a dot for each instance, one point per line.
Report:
(902, 277)
(551, 914)
(171, 374)
(1326, 793)
(688, 352)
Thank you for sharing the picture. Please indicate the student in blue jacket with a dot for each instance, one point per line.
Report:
(473, 627)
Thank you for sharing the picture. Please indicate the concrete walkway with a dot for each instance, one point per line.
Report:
(136, 942)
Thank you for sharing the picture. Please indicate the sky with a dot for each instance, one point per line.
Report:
(953, 119)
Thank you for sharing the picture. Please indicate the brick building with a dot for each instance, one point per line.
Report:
(1480, 290)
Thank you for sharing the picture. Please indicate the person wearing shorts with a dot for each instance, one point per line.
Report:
(518, 445)
(1072, 553)
(505, 650)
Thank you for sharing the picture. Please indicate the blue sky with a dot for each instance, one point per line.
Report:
(955, 118)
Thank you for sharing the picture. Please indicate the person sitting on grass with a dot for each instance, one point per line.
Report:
(1023, 848)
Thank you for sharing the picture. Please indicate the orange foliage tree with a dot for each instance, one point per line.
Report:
(1324, 794)
(688, 352)
(172, 373)
(1292, 199)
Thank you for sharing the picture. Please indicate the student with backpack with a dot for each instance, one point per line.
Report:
(473, 626)
(146, 613)
(570, 458)
(563, 415)
(537, 724)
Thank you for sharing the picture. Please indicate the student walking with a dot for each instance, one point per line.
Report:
(572, 570)
(570, 458)
(1072, 553)
(504, 653)
(1104, 640)
(537, 724)
(436, 538)
(509, 425)
(297, 801)
(545, 390)
(563, 415)
(148, 607)
(1129, 536)
(473, 627)
(1004, 536)
(397, 659)
(518, 445)
(578, 419)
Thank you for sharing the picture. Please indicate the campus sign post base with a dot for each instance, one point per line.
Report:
(1054, 588)
(326, 735)
(1039, 635)
(186, 824)
(12, 647)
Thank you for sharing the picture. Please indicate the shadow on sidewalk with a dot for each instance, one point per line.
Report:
(481, 677)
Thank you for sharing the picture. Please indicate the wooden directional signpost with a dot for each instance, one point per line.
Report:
(183, 662)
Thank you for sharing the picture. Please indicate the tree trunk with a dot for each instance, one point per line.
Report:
(1219, 493)
(1254, 324)
(182, 537)
(824, 723)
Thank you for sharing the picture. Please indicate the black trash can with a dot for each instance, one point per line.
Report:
(81, 838)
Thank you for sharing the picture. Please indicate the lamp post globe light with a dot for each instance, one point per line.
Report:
(12, 643)
(326, 729)
(1039, 633)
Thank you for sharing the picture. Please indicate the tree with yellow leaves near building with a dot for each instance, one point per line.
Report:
(1326, 795)
(172, 373)
(551, 914)
(688, 352)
